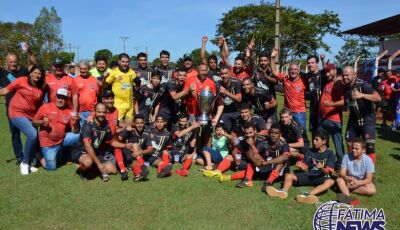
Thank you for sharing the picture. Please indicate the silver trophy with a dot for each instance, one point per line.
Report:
(205, 101)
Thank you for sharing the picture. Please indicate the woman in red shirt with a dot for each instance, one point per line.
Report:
(28, 97)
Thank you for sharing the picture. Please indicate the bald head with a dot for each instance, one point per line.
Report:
(12, 62)
(203, 69)
(349, 75)
(294, 70)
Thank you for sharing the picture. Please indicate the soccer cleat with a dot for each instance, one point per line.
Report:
(273, 192)
(307, 198)
(124, 176)
(340, 197)
(143, 174)
(265, 185)
(181, 172)
(244, 183)
(24, 168)
(165, 171)
(212, 173)
(224, 178)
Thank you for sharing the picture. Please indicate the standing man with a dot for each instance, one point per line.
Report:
(167, 71)
(7, 75)
(262, 102)
(294, 87)
(262, 76)
(330, 111)
(143, 72)
(59, 79)
(360, 97)
(101, 69)
(188, 66)
(231, 96)
(121, 80)
(212, 62)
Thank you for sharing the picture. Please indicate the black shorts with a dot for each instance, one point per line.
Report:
(151, 159)
(126, 154)
(367, 131)
(313, 123)
(105, 158)
(306, 179)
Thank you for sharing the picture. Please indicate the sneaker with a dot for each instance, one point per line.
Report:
(165, 172)
(181, 172)
(265, 185)
(273, 192)
(212, 173)
(224, 178)
(307, 198)
(124, 176)
(33, 169)
(143, 174)
(244, 183)
(340, 197)
(24, 168)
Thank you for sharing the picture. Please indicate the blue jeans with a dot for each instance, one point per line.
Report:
(15, 139)
(335, 131)
(50, 153)
(26, 127)
(301, 118)
(216, 157)
(83, 116)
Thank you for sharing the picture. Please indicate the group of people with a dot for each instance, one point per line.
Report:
(110, 120)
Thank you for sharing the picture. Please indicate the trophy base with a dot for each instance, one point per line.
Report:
(203, 119)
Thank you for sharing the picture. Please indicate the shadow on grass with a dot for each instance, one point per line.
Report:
(395, 156)
(388, 135)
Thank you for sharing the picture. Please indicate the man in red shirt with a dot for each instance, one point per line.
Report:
(59, 79)
(385, 89)
(88, 89)
(294, 87)
(330, 111)
(188, 65)
(240, 69)
(54, 119)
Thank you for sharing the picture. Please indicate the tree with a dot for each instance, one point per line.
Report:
(195, 54)
(364, 47)
(301, 32)
(47, 32)
(68, 57)
(104, 52)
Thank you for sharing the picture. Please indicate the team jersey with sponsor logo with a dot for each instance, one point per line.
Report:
(160, 140)
(147, 99)
(234, 88)
(122, 86)
(66, 82)
(88, 90)
(257, 101)
(181, 144)
(100, 137)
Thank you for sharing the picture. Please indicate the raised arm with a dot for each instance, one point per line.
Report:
(224, 50)
(249, 58)
(203, 57)
(273, 65)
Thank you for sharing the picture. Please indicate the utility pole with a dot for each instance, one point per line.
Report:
(277, 21)
(124, 40)
(77, 52)
(147, 51)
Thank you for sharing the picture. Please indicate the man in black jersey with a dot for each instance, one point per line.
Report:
(167, 71)
(294, 134)
(231, 96)
(262, 75)
(246, 116)
(143, 72)
(317, 166)
(262, 102)
(96, 145)
(360, 97)
(7, 75)
(148, 98)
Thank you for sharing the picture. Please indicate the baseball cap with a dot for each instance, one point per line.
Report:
(57, 61)
(62, 92)
(187, 58)
(108, 93)
(329, 66)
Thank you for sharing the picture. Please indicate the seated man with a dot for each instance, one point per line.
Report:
(142, 146)
(54, 120)
(356, 173)
(294, 134)
(96, 145)
(246, 116)
(318, 164)
(269, 164)
(161, 140)
(184, 143)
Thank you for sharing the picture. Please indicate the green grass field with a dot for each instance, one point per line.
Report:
(60, 200)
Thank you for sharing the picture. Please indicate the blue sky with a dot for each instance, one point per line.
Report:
(174, 25)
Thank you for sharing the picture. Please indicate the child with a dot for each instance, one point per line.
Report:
(356, 174)
(318, 164)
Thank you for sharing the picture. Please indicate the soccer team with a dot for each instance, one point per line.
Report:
(111, 120)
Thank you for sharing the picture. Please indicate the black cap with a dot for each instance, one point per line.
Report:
(57, 61)
(108, 93)
(187, 57)
(380, 70)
